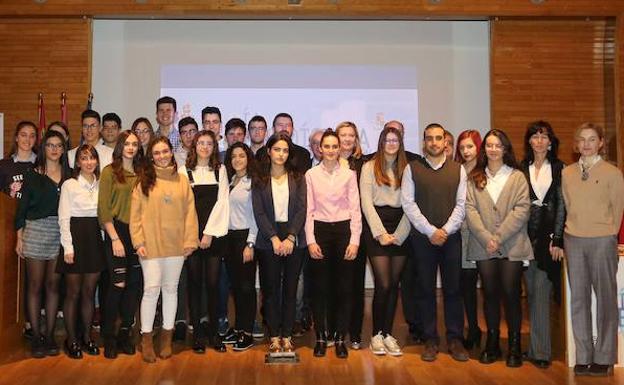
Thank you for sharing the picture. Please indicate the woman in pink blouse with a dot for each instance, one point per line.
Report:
(333, 227)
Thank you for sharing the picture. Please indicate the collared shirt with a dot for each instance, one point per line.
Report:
(333, 196)
(241, 209)
(32, 158)
(180, 156)
(540, 183)
(416, 217)
(174, 137)
(105, 155)
(79, 198)
(496, 182)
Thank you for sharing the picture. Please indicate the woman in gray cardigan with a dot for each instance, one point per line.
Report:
(497, 212)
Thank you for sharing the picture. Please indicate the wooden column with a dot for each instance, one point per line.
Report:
(10, 276)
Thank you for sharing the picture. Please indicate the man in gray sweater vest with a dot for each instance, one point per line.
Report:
(433, 193)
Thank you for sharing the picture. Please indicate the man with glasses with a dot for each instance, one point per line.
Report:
(91, 125)
(187, 128)
(166, 109)
(436, 215)
(257, 132)
(111, 127)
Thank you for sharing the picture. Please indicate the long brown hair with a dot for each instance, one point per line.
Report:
(86, 149)
(213, 161)
(117, 164)
(381, 177)
(477, 175)
(148, 171)
(264, 167)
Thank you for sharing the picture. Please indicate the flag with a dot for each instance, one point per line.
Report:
(89, 101)
(64, 107)
(41, 112)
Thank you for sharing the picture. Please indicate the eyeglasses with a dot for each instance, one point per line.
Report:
(142, 132)
(391, 141)
(188, 132)
(53, 146)
(90, 126)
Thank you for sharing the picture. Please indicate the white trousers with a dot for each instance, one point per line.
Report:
(160, 274)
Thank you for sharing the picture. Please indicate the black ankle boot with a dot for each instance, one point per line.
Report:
(514, 358)
(473, 338)
(341, 347)
(321, 344)
(125, 344)
(110, 347)
(492, 350)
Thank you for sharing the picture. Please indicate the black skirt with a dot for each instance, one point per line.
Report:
(89, 254)
(390, 218)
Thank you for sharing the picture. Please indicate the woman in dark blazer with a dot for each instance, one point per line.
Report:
(542, 170)
(279, 205)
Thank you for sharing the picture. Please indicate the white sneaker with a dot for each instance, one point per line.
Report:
(377, 345)
(392, 347)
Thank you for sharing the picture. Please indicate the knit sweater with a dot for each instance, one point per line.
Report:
(114, 198)
(165, 222)
(594, 207)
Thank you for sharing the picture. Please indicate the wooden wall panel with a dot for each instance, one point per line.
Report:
(557, 70)
(44, 55)
(310, 8)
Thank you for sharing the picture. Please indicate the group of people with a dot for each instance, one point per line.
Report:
(149, 208)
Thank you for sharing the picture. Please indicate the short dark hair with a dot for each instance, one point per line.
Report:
(167, 100)
(111, 117)
(90, 114)
(186, 121)
(257, 118)
(211, 110)
(433, 125)
(282, 115)
(235, 123)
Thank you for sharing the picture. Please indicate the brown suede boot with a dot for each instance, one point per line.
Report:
(147, 347)
(165, 343)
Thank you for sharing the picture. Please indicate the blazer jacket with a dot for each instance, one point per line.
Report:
(264, 212)
(505, 221)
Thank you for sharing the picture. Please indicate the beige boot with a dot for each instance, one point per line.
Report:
(165, 343)
(147, 347)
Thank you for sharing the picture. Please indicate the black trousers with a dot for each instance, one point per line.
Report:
(469, 279)
(357, 309)
(242, 277)
(125, 283)
(279, 273)
(203, 268)
(448, 258)
(410, 295)
(332, 276)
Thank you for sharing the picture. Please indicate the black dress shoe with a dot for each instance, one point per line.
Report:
(492, 351)
(473, 339)
(51, 347)
(341, 348)
(73, 350)
(320, 348)
(514, 357)
(91, 348)
(110, 348)
(599, 370)
(37, 347)
(542, 364)
(581, 369)
(199, 346)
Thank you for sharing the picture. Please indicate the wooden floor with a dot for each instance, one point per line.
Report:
(241, 368)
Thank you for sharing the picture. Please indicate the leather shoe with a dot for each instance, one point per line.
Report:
(542, 364)
(73, 350)
(457, 351)
(599, 370)
(341, 348)
(430, 353)
(581, 369)
(91, 348)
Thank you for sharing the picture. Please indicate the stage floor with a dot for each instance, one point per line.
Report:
(240, 368)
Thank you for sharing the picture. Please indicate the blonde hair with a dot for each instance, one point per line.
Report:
(357, 151)
(597, 129)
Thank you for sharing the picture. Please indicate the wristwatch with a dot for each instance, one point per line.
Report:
(250, 245)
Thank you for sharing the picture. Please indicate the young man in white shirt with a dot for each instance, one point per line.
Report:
(91, 127)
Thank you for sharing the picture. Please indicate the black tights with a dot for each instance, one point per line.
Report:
(203, 266)
(501, 278)
(40, 273)
(80, 288)
(387, 272)
(469, 293)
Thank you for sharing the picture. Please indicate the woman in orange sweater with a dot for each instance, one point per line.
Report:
(164, 228)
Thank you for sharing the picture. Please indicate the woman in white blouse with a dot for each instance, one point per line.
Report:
(497, 211)
(210, 187)
(83, 258)
(384, 233)
(240, 242)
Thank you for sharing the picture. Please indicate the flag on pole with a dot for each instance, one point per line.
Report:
(42, 119)
(89, 101)
(64, 107)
